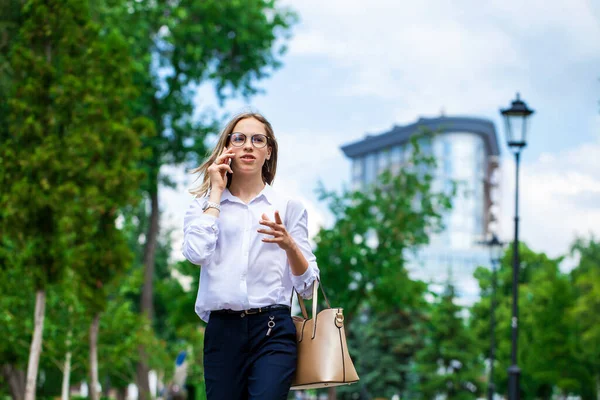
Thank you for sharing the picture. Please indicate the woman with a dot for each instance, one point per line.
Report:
(252, 244)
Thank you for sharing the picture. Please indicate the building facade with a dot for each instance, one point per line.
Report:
(467, 152)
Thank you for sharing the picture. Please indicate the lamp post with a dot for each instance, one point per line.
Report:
(495, 246)
(516, 119)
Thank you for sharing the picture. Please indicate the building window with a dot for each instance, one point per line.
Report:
(370, 168)
(357, 172)
(396, 159)
(383, 161)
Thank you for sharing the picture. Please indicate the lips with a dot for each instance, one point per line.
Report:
(248, 158)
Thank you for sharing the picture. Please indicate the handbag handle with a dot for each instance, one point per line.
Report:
(315, 301)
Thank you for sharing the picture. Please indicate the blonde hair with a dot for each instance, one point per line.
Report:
(269, 167)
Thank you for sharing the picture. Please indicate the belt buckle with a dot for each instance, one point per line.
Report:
(255, 311)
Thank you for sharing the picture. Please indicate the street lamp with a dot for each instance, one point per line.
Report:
(516, 120)
(496, 250)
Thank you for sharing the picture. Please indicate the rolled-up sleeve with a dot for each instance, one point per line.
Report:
(200, 234)
(299, 232)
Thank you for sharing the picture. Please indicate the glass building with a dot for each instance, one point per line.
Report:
(467, 151)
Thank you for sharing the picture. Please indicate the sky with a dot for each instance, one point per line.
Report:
(355, 68)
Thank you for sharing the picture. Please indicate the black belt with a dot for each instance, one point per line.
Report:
(260, 310)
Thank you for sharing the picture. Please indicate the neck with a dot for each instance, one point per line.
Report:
(247, 188)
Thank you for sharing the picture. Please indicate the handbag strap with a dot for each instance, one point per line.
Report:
(316, 284)
(315, 301)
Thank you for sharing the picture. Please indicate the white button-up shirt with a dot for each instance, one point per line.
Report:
(240, 271)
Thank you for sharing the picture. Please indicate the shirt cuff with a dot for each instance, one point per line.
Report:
(303, 283)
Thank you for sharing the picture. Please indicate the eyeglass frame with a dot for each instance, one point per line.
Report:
(251, 141)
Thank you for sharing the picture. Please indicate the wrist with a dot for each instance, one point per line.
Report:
(292, 249)
(215, 195)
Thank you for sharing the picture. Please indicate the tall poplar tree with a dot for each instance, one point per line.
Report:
(71, 81)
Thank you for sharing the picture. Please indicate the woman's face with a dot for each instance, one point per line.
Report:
(249, 159)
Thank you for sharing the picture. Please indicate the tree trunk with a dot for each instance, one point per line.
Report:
(106, 387)
(94, 357)
(146, 301)
(331, 393)
(67, 369)
(16, 381)
(598, 386)
(36, 345)
(122, 393)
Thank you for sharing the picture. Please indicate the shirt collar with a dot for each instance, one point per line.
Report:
(268, 193)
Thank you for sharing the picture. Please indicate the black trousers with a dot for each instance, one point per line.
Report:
(242, 363)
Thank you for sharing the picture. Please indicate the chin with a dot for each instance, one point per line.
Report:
(246, 171)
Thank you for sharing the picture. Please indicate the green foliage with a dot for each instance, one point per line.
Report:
(383, 346)
(448, 365)
(69, 162)
(363, 259)
(16, 305)
(363, 256)
(549, 351)
(10, 20)
(178, 46)
(585, 313)
(71, 150)
(122, 330)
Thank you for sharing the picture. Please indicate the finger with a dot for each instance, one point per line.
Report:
(220, 155)
(265, 217)
(221, 159)
(278, 217)
(274, 240)
(224, 167)
(270, 232)
(270, 224)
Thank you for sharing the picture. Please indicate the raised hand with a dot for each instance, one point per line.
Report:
(279, 233)
(217, 172)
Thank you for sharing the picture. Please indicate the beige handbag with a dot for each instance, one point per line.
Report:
(323, 359)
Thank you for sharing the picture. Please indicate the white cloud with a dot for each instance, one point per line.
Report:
(559, 198)
(429, 55)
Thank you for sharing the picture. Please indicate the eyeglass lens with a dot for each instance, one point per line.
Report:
(258, 140)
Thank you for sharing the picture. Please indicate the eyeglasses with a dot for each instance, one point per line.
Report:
(239, 139)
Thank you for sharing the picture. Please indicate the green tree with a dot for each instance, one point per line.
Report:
(122, 329)
(449, 363)
(363, 256)
(548, 343)
(68, 127)
(15, 330)
(586, 310)
(551, 357)
(65, 333)
(386, 344)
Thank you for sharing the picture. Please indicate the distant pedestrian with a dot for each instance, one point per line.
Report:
(252, 244)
